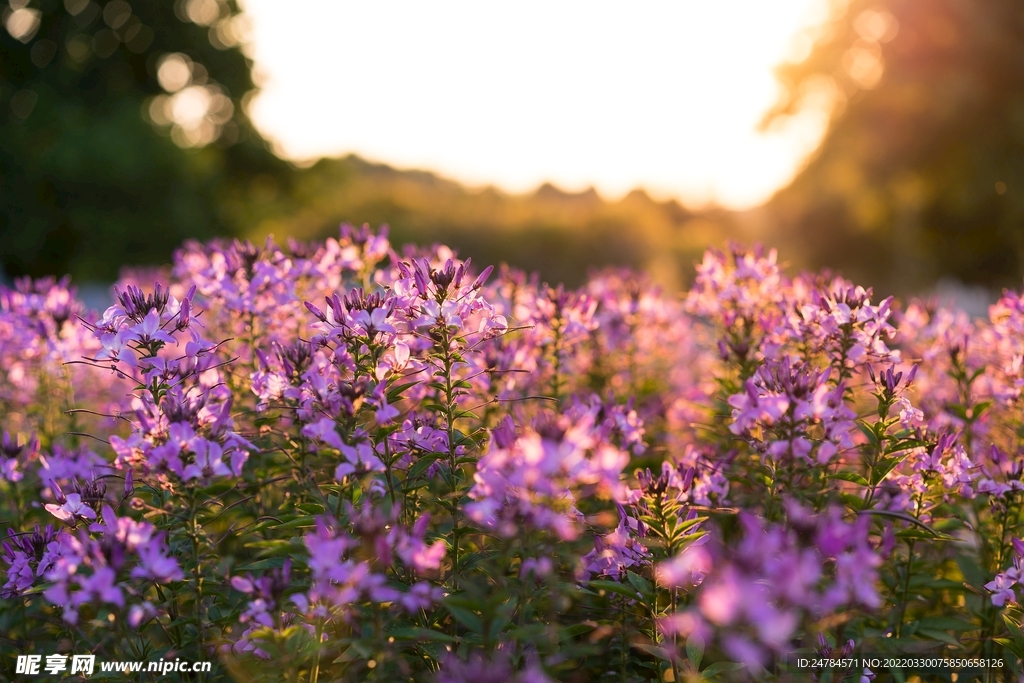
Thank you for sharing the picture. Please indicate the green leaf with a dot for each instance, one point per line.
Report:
(946, 624)
(850, 476)
(958, 410)
(940, 636)
(496, 625)
(269, 563)
(466, 617)
(357, 650)
(640, 583)
(421, 465)
(652, 649)
(886, 465)
(270, 544)
(567, 632)
(721, 668)
(868, 431)
(1007, 643)
(695, 649)
(615, 587)
(421, 634)
(910, 519)
(904, 444)
(853, 502)
(298, 522)
(395, 391)
(529, 633)
(1014, 628)
(689, 524)
(37, 589)
(979, 408)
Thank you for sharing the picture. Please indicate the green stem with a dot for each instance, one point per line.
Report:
(196, 573)
(556, 382)
(991, 611)
(449, 415)
(906, 588)
(875, 457)
(388, 462)
(625, 645)
(314, 678)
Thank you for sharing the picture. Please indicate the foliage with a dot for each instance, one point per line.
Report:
(97, 151)
(920, 174)
(530, 231)
(99, 155)
(336, 461)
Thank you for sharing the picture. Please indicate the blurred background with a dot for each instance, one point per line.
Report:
(880, 138)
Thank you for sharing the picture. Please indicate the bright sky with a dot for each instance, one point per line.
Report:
(664, 95)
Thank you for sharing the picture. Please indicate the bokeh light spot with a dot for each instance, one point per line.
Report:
(75, 7)
(876, 26)
(104, 43)
(23, 102)
(23, 23)
(863, 63)
(174, 71)
(202, 12)
(78, 48)
(116, 13)
(42, 52)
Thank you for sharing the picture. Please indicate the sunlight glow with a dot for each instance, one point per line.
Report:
(661, 95)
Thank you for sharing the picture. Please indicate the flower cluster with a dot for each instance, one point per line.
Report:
(532, 476)
(340, 578)
(1002, 585)
(760, 592)
(789, 410)
(84, 569)
(367, 463)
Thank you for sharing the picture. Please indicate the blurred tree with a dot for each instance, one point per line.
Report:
(122, 132)
(922, 172)
(561, 235)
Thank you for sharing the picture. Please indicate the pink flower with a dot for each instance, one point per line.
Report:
(323, 430)
(415, 553)
(72, 510)
(421, 595)
(149, 330)
(687, 569)
(1002, 591)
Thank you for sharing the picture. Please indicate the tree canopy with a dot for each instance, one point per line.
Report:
(121, 132)
(922, 172)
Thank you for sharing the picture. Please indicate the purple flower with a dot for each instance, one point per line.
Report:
(154, 563)
(415, 552)
(1001, 588)
(14, 454)
(1002, 585)
(208, 461)
(496, 669)
(100, 586)
(149, 330)
(28, 556)
(72, 510)
(687, 569)
(421, 596)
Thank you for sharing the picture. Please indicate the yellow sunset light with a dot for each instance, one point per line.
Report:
(661, 95)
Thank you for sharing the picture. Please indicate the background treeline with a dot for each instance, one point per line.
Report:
(112, 153)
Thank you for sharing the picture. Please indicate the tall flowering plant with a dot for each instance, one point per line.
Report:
(340, 461)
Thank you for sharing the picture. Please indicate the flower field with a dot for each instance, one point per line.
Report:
(341, 461)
